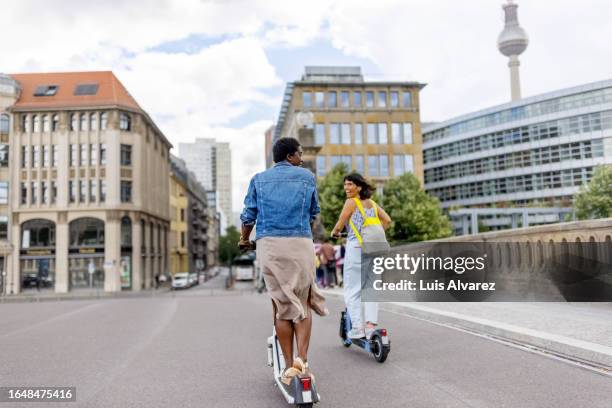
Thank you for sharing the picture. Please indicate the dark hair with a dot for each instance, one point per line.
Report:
(366, 188)
(284, 147)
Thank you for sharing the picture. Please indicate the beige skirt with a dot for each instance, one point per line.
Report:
(288, 267)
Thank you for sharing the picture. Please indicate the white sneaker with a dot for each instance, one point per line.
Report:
(356, 333)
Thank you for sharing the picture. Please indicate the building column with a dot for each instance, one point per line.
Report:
(112, 252)
(525, 218)
(13, 281)
(514, 221)
(155, 250)
(62, 234)
(136, 254)
(147, 263)
(474, 223)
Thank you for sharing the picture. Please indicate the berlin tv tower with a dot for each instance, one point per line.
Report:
(512, 41)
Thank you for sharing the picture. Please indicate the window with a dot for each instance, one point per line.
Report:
(384, 165)
(321, 166)
(407, 100)
(82, 191)
(36, 120)
(182, 215)
(86, 89)
(24, 194)
(125, 122)
(402, 163)
(3, 227)
(396, 135)
(25, 123)
(369, 99)
(93, 154)
(320, 99)
(46, 90)
(55, 155)
(102, 154)
(53, 192)
(371, 133)
(4, 155)
(373, 166)
(93, 190)
(45, 156)
(72, 191)
(93, 121)
(55, 123)
(182, 239)
(126, 191)
(74, 122)
(334, 133)
(24, 156)
(45, 192)
(36, 156)
(83, 161)
(357, 99)
(46, 124)
(382, 99)
(103, 121)
(3, 192)
(382, 133)
(126, 155)
(359, 163)
(344, 99)
(102, 191)
(407, 132)
(84, 122)
(319, 134)
(394, 99)
(345, 133)
(358, 128)
(4, 123)
(33, 193)
(306, 99)
(332, 99)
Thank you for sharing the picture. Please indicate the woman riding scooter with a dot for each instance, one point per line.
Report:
(357, 208)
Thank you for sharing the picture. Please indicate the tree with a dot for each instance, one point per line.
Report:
(228, 245)
(595, 199)
(331, 195)
(416, 215)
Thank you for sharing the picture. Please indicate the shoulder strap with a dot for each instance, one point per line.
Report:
(360, 206)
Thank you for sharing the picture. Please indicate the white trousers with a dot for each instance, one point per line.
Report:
(352, 288)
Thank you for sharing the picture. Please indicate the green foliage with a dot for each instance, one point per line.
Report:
(595, 199)
(416, 215)
(332, 196)
(228, 245)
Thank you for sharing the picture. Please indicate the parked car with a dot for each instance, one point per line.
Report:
(31, 281)
(181, 280)
(193, 279)
(243, 267)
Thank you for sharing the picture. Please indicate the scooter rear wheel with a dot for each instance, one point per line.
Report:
(309, 405)
(379, 351)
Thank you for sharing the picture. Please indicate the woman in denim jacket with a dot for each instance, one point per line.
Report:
(282, 201)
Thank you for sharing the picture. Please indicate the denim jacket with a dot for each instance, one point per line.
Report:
(282, 201)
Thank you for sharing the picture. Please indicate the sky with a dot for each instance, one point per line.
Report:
(218, 68)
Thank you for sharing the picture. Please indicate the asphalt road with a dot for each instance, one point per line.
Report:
(198, 348)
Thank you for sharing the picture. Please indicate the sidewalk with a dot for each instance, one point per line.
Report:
(79, 294)
(578, 331)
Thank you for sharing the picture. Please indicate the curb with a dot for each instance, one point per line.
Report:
(80, 296)
(565, 347)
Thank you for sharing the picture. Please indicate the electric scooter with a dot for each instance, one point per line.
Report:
(378, 344)
(302, 390)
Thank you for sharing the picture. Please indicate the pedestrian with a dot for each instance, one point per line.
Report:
(328, 260)
(282, 201)
(357, 207)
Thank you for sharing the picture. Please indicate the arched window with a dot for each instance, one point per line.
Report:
(125, 122)
(55, 123)
(84, 121)
(46, 125)
(86, 232)
(36, 120)
(37, 233)
(25, 123)
(4, 123)
(126, 232)
(93, 121)
(74, 122)
(103, 121)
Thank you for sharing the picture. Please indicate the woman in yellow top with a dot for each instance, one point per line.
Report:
(358, 191)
